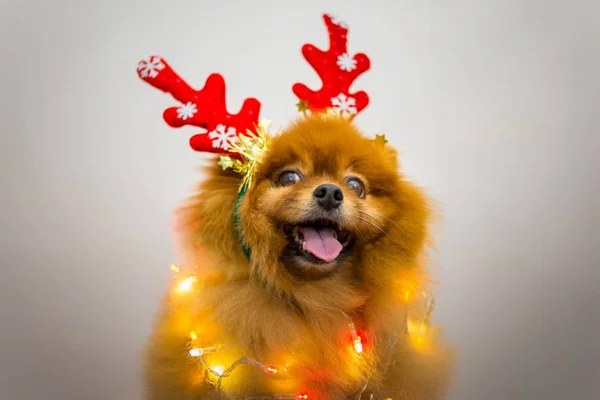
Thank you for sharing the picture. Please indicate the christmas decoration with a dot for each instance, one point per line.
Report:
(380, 140)
(338, 70)
(413, 294)
(251, 148)
(239, 137)
(204, 108)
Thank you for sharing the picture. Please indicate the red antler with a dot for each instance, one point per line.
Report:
(203, 108)
(337, 69)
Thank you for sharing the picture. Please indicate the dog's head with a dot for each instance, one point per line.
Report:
(327, 199)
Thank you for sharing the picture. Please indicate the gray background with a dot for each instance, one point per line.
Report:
(493, 105)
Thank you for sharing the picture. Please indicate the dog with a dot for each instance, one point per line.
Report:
(333, 226)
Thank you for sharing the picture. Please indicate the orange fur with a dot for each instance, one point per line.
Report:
(263, 311)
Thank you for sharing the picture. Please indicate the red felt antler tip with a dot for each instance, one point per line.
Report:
(337, 70)
(204, 108)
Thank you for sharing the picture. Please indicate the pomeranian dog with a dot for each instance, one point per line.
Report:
(332, 226)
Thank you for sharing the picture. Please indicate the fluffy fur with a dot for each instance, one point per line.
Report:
(279, 309)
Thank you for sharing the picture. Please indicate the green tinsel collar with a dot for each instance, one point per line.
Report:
(238, 223)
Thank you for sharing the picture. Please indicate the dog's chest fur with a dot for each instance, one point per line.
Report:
(310, 345)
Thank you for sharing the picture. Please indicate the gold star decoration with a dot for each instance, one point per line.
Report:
(380, 140)
(302, 106)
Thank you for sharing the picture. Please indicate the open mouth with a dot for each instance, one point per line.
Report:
(320, 241)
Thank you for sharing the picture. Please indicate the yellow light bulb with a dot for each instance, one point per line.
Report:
(218, 369)
(193, 335)
(419, 342)
(406, 295)
(358, 345)
(174, 268)
(186, 285)
(196, 352)
(269, 369)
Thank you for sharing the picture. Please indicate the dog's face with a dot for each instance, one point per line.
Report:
(323, 194)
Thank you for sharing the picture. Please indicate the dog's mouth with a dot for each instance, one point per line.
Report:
(321, 241)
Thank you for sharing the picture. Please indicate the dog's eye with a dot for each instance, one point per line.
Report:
(356, 185)
(288, 178)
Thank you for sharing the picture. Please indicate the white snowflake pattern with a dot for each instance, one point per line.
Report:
(187, 110)
(346, 63)
(344, 105)
(150, 67)
(223, 137)
(336, 21)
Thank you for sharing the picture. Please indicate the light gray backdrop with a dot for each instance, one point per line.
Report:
(493, 104)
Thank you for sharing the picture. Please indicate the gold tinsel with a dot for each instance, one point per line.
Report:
(252, 147)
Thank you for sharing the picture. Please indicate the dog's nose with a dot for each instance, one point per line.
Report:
(329, 196)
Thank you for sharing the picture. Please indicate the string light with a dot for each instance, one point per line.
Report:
(218, 369)
(271, 370)
(186, 285)
(356, 338)
(196, 352)
(430, 308)
(200, 351)
(416, 335)
(358, 345)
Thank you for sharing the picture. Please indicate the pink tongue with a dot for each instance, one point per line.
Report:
(321, 243)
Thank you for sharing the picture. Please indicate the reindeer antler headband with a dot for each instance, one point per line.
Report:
(240, 138)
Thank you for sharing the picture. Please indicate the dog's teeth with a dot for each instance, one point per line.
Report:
(303, 245)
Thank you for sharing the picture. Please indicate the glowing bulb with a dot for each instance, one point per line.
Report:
(218, 369)
(174, 268)
(186, 284)
(196, 352)
(356, 338)
(419, 342)
(193, 335)
(271, 370)
(406, 295)
(358, 345)
(302, 396)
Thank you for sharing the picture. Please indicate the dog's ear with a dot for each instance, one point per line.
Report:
(392, 155)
